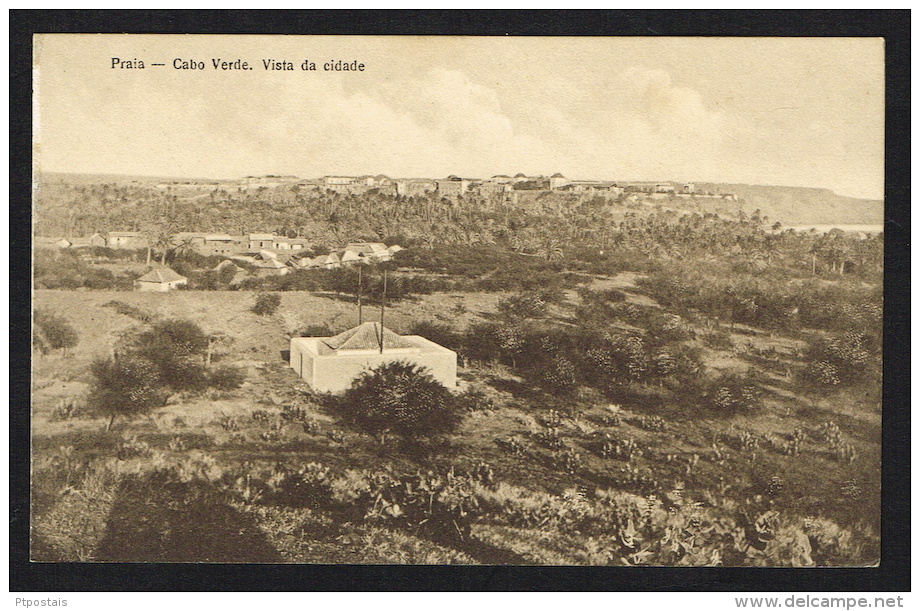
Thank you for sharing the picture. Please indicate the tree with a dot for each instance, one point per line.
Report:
(184, 247)
(402, 398)
(516, 307)
(125, 387)
(173, 347)
(266, 303)
(164, 240)
(551, 250)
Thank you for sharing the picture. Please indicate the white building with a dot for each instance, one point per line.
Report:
(161, 280)
(331, 364)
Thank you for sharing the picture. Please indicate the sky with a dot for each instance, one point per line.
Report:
(774, 111)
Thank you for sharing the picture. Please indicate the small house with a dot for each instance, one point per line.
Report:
(161, 280)
(350, 256)
(261, 240)
(126, 239)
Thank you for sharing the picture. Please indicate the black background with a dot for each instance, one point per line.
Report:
(893, 574)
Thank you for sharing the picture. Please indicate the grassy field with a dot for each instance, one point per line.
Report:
(204, 478)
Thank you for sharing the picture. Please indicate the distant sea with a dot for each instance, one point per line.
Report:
(868, 229)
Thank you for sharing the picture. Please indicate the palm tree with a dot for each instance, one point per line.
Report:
(552, 250)
(184, 246)
(164, 240)
(517, 242)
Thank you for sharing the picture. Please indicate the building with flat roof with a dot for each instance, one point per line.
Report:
(331, 364)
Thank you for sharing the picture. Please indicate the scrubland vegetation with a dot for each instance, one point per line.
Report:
(638, 387)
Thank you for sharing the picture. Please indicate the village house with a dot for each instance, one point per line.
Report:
(370, 250)
(97, 240)
(160, 280)
(331, 364)
(258, 241)
(41, 242)
(330, 261)
(270, 266)
(349, 256)
(218, 244)
(77, 243)
(126, 239)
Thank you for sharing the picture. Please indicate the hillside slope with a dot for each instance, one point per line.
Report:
(800, 205)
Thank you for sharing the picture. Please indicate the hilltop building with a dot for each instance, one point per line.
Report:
(557, 181)
(415, 186)
(453, 186)
(331, 364)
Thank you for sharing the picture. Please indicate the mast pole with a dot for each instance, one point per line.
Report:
(360, 319)
(383, 305)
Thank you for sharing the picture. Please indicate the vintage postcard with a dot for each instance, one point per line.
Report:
(457, 300)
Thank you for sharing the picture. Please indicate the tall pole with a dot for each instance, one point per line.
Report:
(360, 319)
(383, 304)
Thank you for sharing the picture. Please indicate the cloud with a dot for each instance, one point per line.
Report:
(616, 121)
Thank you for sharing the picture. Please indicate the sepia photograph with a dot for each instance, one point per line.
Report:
(457, 300)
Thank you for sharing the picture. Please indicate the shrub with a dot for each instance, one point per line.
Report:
(719, 340)
(322, 330)
(400, 397)
(173, 338)
(558, 376)
(128, 310)
(266, 304)
(439, 334)
(227, 378)
(522, 306)
(732, 394)
(52, 332)
(481, 343)
(125, 387)
(174, 347)
(171, 345)
(844, 359)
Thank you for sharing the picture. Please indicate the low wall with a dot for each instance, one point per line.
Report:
(335, 372)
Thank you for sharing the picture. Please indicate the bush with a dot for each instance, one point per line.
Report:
(227, 378)
(322, 330)
(174, 338)
(845, 359)
(125, 387)
(172, 345)
(731, 394)
(53, 332)
(266, 304)
(481, 343)
(400, 397)
(128, 310)
(438, 333)
(719, 340)
(522, 306)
